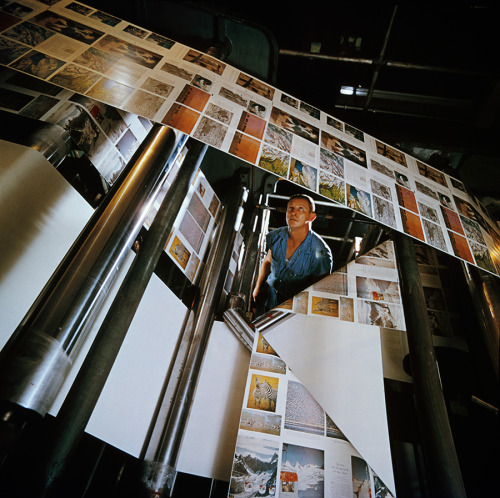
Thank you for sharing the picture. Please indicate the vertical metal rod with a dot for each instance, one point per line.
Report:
(159, 468)
(35, 361)
(440, 457)
(485, 295)
(87, 387)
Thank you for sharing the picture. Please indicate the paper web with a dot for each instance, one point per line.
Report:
(166, 82)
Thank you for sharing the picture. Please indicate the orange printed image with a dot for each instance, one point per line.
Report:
(412, 225)
(251, 124)
(460, 247)
(406, 198)
(451, 220)
(193, 97)
(244, 147)
(181, 118)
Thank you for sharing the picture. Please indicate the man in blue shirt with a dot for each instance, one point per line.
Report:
(296, 256)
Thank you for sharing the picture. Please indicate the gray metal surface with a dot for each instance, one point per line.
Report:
(440, 457)
(69, 303)
(51, 140)
(162, 451)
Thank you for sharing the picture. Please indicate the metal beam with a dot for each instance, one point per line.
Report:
(380, 60)
(375, 62)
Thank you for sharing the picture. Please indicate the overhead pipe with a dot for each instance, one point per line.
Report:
(440, 457)
(80, 402)
(161, 453)
(38, 356)
(375, 62)
(380, 60)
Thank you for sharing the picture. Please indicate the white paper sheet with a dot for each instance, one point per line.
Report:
(340, 363)
(40, 217)
(210, 437)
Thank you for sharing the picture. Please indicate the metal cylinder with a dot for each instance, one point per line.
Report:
(240, 326)
(62, 315)
(440, 458)
(484, 291)
(87, 387)
(161, 456)
(271, 319)
(51, 140)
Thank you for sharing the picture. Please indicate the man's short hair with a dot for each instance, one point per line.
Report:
(309, 199)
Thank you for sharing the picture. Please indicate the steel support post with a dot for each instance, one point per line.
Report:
(440, 458)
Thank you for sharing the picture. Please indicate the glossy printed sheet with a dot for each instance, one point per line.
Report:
(112, 61)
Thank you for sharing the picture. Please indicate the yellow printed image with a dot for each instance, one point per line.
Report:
(286, 305)
(264, 347)
(179, 252)
(325, 306)
(263, 393)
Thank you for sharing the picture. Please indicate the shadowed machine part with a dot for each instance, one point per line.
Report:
(163, 447)
(52, 141)
(89, 383)
(37, 357)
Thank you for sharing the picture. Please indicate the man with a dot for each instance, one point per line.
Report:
(296, 256)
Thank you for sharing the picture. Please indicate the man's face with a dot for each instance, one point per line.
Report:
(299, 214)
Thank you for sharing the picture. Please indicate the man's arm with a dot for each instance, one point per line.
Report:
(324, 262)
(327, 262)
(265, 269)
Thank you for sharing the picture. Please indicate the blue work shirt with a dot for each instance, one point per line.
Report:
(310, 261)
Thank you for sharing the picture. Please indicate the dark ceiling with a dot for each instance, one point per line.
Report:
(424, 78)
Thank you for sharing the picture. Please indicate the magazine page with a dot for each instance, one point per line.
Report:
(313, 421)
(87, 51)
(193, 227)
(107, 135)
